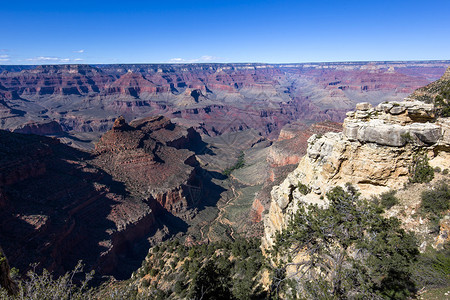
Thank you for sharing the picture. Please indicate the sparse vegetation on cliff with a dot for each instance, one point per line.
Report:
(346, 250)
(44, 286)
(434, 202)
(420, 171)
(352, 250)
(220, 270)
(438, 93)
(240, 163)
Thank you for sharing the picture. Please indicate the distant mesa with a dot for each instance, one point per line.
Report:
(213, 98)
(41, 128)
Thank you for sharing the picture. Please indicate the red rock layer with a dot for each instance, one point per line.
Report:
(151, 156)
(217, 98)
(283, 157)
(292, 142)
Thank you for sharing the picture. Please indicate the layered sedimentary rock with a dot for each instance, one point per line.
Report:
(54, 201)
(60, 205)
(374, 152)
(44, 128)
(283, 155)
(292, 142)
(152, 157)
(213, 98)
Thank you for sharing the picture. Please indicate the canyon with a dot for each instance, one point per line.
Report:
(60, 204)
(84, 100)
(101, 162)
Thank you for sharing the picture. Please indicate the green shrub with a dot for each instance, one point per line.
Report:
(303, 188)
(443, 106)
(145, 283)
(434, 203)
(388, 199)
(437, 200)
(420, 171)
(240, 163)
(227, 269)
(445, 172)
(45, 286)
(153, 272)
(432, 269)
(348, 249)
(437, 170)
(179, 287)
(173, 264)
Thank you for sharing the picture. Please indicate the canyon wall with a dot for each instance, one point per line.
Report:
(60, 205)
(212, 98)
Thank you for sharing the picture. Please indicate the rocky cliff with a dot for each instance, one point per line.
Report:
(374, 152)
(60, 205)
(283, 155)
(152, 157)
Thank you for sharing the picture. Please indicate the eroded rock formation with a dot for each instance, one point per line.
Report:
(212, 98)
(60, 205)
(374, 153)
(283, 156)
(152, 157)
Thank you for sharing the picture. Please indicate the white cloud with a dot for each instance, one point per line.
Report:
(43, 58)
(177, 60)
(4, 56)
(207, 58)
(78, 51)
(52, 59)
(204, 58)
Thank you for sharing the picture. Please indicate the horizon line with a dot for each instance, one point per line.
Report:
(235, 63)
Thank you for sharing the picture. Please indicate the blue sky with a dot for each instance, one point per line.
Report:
(50, 32)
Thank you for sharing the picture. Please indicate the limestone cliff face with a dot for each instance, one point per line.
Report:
(373, 152)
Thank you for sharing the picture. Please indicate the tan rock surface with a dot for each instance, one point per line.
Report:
(374, 153)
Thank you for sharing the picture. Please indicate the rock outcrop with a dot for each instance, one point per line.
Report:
(152, 157)
(374, 152)
(292, 142)
(283, 156)
(44, 128)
